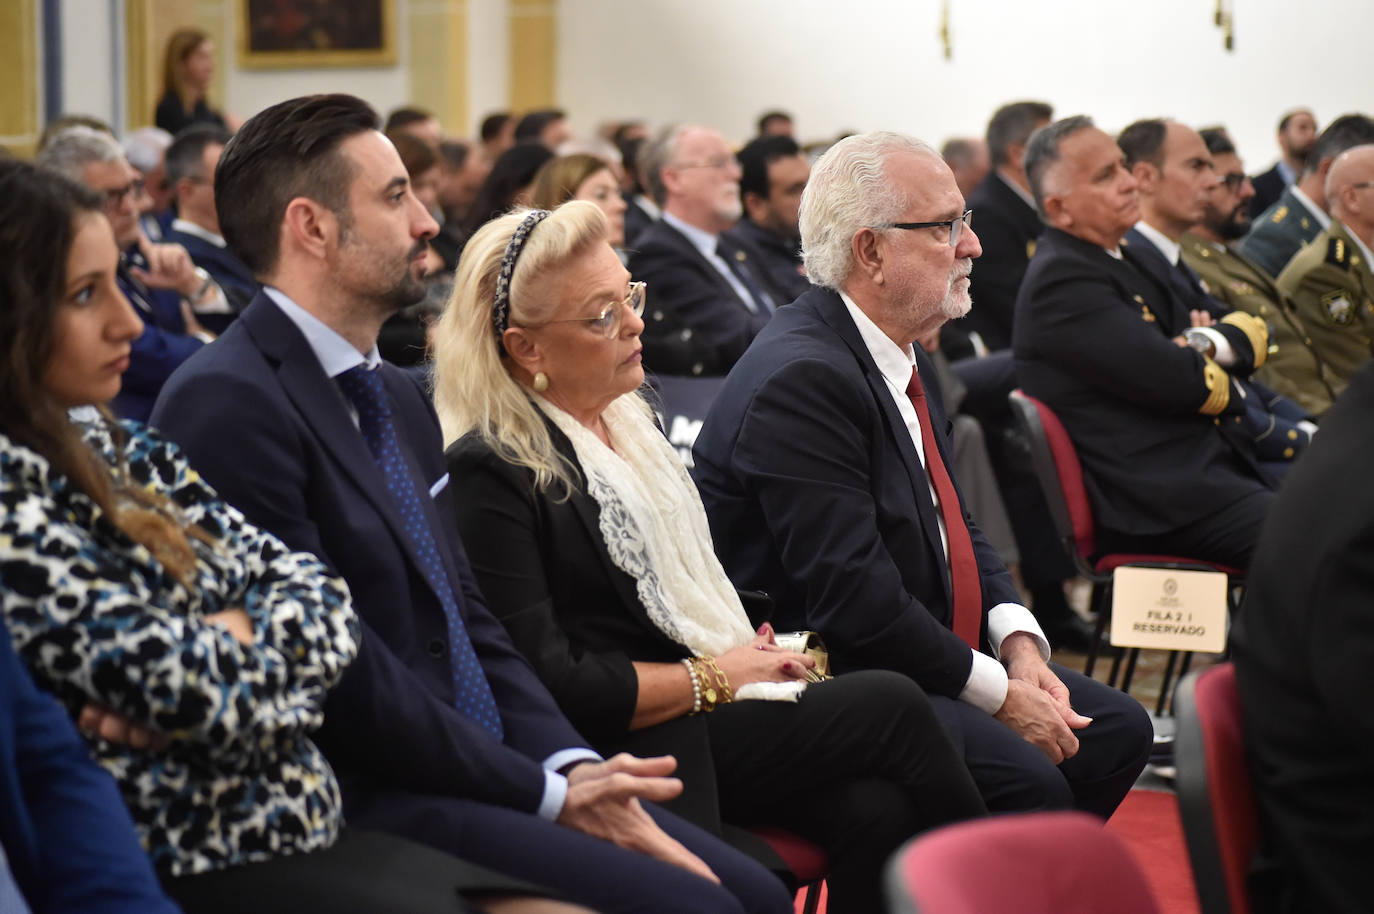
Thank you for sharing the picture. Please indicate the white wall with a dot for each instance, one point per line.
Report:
(488, 63)
(88, 59)
(877, 64)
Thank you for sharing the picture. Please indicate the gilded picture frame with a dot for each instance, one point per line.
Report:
(306, 34)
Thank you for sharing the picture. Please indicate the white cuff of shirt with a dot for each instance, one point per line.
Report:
(1309, 427)
(986, 687)
(555, 784)
(1225, 356)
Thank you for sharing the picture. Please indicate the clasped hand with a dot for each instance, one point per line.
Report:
(761, 660)
(1037, 704)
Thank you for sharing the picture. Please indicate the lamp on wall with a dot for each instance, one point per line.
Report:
(944, 29)
(1224, 19)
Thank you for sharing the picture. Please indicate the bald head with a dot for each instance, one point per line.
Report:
(1350, 190)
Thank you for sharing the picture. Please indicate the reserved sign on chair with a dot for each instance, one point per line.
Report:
(1169, 609)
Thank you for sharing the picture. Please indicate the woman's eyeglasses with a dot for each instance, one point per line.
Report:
(608, 322)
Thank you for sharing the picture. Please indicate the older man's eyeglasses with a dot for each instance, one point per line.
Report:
(113, 199)
(956, 226)
(608, 322)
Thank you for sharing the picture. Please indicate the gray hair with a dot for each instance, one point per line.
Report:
(146, 146)
(1043, 151)
(849, 190)
(76, 147)
(660, 151)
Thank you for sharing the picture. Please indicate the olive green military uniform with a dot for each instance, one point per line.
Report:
(1294, 368)
(1332, 287)
(1279, 232)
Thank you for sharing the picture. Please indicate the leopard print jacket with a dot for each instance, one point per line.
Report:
(97, 618)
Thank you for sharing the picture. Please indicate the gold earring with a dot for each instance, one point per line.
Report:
(541, 382)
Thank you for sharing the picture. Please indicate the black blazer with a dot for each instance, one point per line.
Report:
(779, 259)
(1007, 228)
(542, 562)
(259, 418)
(816, 496)
(694, 323)
(1303, 649)
(1268, 188)
(1093, 340)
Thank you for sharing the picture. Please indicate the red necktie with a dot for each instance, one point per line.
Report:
(965, 581)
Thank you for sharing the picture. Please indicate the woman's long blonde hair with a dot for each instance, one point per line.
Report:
(473, 390)
(179, 47)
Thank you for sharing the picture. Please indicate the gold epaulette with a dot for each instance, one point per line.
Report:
(1255, 330)
(1218, 388)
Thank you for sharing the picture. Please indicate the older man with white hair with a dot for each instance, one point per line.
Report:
(824, 467)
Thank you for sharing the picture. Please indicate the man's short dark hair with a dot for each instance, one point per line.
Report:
(533, 124)
(630, 151)
(1143, 141)
(959, 151)
(289, 150)
(454, 153)
(492, 125)
(769, 116)
(184, 156)
(1012, 124)
(401, 118)
(755, 158)
(1345, 132)
(1042, 151)
(1288, 116)
(1218, 141)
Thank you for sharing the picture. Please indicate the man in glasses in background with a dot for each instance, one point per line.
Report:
(1293, 368)
(825, 464)
(1331, 280)
(159, 279)
(711, 296)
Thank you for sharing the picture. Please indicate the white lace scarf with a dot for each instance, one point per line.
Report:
(655, 530)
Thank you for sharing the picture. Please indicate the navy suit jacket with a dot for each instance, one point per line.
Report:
(1268, 188)
(816, 496)
(694, 322)
(157, 352)
(1007, 228)
(259, 418)
(225, 268)
(68, 838)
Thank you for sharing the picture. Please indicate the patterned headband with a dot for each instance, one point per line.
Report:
(500, 307)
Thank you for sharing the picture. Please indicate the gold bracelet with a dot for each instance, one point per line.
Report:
(715, 687)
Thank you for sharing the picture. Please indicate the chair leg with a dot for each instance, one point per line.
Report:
(1166, 682)
(813, 897)
(1130, 670)
(1095, 600)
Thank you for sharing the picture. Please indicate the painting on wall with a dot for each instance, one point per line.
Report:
(280, 34)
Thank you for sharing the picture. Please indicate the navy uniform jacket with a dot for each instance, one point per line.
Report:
(637, 220)
(1303, 648)
(225, 268)
(1154, 423)
(1268, 188)
(1279, 232)
(694, 322)
(1271, 419)
(779, 259)
(272, 433)
(1007, 228)
(816, 495)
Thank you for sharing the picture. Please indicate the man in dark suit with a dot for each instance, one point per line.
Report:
(1301, 211)
(191, 162)
(707, 298)
(156, 278)
(1303, 648)
(773, 173)
(1175, 178)
(1296, 136)
(1007, 223)
(824, 467)
(1153, 417)
(440, 731)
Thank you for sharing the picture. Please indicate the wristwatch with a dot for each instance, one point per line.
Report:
(206, 283)
(1200, 341)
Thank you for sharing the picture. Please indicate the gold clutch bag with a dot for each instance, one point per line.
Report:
(808, 643)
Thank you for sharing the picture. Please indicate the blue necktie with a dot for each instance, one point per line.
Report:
(365, 390)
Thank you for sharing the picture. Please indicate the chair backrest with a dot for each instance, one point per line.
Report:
(683, 403)
(1215, 796)
(1036, 863)
(1060, 474)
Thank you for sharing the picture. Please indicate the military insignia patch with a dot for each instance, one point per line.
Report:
(1147, 314)
(740, 256)
(1280, 214)
(1030, 249)
(1337, 307)
(1338, 253)
(1240, 287)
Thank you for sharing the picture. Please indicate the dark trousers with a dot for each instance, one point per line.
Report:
(1015, 776)
(859, 765)
(365, 872)
(1227, 537)
(580, 868)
